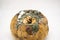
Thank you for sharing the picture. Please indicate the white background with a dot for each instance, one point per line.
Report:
(50, 8)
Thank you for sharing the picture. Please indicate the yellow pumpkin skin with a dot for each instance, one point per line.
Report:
(21, 34)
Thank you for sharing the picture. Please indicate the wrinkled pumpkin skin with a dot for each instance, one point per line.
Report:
(24, 33)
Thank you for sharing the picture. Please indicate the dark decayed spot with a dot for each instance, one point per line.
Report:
(17, 14)
(30, 21)
(35, 28)
(26, 11)
(29, 30)
(32, 29)
(32, 11)
(41, 15)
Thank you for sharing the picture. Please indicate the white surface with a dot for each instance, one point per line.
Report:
(50, 8)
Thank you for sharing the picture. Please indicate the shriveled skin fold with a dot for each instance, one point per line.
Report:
(20, 33)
